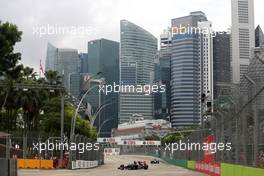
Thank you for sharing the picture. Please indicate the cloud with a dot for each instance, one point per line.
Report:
(103, 16)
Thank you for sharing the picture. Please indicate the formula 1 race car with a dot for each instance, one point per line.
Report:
(134, 166)
(155, 161)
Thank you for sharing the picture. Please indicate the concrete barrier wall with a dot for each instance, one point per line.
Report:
(12, 167)
(4, 167)
(237, 170)
(225, 169)
(191, 165)
(34, 164)
(8, 167)
(181, 163)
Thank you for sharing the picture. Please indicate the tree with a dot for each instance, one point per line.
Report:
(9, 67)
(9, 36)
(52, 77)
(50, 120)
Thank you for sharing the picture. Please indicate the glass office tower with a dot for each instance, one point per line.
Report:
(104, 57)
(140, 47)
(186, 72)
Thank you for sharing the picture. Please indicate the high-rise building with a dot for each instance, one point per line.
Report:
(128, 72)
(51, 58)
(221, 64)
(259, 37)
(186, 71)
(242, 36)
(162, 76)
(139, 47)
(206, 53)
(83, 62)
(64, 61)
(104, 57)
(74, 83)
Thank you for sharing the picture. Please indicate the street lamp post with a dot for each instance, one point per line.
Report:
(104, 122)
(62, 124)
(73, 120)
(92, 120)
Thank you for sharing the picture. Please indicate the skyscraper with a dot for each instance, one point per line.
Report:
(206, 54)
(139, 47)
(74, 83)
(259, 37)
(243, 37)
(221, 63)
(51, 58)
(64, 61)
(186, 72)
(83, 62)
(128, 72)
(104, 57)
(162, 76)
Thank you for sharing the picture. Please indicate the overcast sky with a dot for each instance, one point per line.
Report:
(101, 18)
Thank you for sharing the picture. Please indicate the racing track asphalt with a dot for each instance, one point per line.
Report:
(110, 169)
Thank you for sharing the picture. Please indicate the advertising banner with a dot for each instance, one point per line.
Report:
(208, 164)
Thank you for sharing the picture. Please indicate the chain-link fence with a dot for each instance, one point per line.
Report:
(237, 119)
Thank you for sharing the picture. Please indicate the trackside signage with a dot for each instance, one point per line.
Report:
(120, 141)
(208, 164)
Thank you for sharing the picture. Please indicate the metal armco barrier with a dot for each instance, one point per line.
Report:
(8, 167)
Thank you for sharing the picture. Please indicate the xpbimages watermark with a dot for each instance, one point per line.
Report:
(189, 29)
(56, 29)
(192, 146)
(120, 88)
(80, 147)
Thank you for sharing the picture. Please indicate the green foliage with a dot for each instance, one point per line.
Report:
(153, 137)
(175, 137)
(50, 120)
(21, 109)
(9, 36)
(170, 138)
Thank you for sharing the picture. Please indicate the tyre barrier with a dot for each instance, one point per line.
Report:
(81, 164)
(34, 164)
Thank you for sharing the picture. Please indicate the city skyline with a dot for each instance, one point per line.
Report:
(92, 16)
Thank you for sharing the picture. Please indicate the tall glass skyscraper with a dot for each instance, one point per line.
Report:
(163, 76)
(186, 72)
(222, 61)
(63, 60)
(83, 62)
(259, 37)
(139, 47)
(104, 57)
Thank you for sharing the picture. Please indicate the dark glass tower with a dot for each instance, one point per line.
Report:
(104, 57)
(259, 37)
(221, 64)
